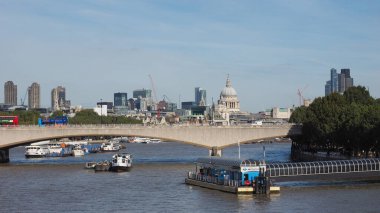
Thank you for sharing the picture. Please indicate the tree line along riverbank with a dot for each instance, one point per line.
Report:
(347, 123)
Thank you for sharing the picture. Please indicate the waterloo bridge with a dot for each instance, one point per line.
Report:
(213, 138)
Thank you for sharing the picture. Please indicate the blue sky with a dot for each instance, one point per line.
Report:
(270, 48)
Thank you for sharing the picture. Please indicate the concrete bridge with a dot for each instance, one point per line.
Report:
(211, 137)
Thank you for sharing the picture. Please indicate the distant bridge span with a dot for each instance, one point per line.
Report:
(212, 137)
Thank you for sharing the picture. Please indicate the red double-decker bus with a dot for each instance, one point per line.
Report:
(8, 120)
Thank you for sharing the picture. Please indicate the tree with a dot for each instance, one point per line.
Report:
(88, 116)
(299, 115)
(56, 113)
(358, 94)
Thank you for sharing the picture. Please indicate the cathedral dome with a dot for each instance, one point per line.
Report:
(228, 91)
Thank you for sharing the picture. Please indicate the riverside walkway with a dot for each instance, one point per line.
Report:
(215, 138)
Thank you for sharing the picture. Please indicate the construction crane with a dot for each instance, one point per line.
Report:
(167, 98)
(23, 100)
(154, 96)
(300, 94)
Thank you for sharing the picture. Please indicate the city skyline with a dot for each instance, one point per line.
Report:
(270, 49)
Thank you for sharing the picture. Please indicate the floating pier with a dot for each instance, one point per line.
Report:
(250, 176)
(231, 175)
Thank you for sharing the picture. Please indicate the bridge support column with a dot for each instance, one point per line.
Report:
(215, 151)
(4, 155)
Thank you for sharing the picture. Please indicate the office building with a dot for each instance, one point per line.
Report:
(10, 93)
(34, 96)
(328, 88)
(106, 103)
(188, 105)
(348, 81)
(339, 82)
(58, 99)
(200, 96)
(120, 99)
(143, 93)
(334, 80)
(131, 104)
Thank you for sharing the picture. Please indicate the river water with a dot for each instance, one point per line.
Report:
(156, 184)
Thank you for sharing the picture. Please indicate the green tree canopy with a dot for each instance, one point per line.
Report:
(338, 121)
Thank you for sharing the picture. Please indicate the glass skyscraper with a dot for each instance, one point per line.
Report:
(120, 99)
(200, 96)
(143, 93)
(334, 80)
(339, 82)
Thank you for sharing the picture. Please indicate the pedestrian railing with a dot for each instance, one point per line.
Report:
(322, 167)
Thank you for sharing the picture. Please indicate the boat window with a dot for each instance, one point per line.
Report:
(245, 176)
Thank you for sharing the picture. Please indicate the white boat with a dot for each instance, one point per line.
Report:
(40, 143)
(121, 162)
(110, 147)
(78, 151)
(141, 140)
(36, 151)
(154, 140)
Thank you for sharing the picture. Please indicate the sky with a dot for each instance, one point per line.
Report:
(270, 48)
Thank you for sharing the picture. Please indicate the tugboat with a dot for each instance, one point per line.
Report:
(121, 162)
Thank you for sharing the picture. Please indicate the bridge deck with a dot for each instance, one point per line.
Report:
(323, 167)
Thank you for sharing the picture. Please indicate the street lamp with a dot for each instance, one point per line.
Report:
(101, 111)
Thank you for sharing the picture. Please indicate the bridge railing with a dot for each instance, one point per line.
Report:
(147, 126)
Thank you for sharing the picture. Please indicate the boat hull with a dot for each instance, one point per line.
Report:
(35, 156)
(100, 167)
(120, 168)
(78, 153)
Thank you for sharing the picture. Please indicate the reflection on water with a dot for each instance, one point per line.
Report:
(156, 184)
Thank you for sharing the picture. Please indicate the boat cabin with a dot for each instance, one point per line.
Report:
(226, 171)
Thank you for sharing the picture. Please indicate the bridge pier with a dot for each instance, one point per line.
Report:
(215, 151)
(4, 155)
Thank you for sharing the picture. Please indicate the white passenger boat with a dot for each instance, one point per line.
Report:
(78, 151)
(141, 140)
(154, 140)
(36, 151)
(121, 162)
(110, 147)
